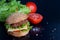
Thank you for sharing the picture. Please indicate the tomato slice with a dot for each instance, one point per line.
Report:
(17, 31)
(32, 6)
(35, 18)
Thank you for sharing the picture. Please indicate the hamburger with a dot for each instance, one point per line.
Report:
(17, 24)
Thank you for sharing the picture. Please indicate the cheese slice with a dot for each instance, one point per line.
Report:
(11, 30)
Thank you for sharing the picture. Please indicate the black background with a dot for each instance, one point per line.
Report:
(50, 9)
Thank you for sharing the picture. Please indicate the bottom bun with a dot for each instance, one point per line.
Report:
(19, 34)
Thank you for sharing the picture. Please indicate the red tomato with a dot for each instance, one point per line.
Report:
(17, 31)
(32, 6)
(35, 18)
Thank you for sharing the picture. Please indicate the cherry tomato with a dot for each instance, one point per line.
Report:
(35, 18)
(32, 6)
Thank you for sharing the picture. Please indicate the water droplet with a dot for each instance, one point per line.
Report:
(54, 28)
(33, 29)
(36, 34)
(47, 23)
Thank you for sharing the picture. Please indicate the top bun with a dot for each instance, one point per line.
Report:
(16, 17)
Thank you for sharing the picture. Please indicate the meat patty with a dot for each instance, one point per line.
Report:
(19, 23)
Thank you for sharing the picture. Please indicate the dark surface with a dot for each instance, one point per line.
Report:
(50, 25)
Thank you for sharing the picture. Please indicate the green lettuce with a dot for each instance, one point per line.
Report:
(7, 9)
(8, 26)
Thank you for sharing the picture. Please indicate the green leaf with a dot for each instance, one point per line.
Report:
(28, 23)
(30, 27)
(23, 25)
(2, 2)
(24, 9)
(7, 26)
(7, 9)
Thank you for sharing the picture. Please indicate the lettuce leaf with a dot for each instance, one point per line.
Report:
(21, 28)
(13, 6)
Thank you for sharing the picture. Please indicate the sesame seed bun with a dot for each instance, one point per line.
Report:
(19, 33)
(16, 17)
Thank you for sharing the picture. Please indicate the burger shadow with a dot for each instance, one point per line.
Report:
(4, 35)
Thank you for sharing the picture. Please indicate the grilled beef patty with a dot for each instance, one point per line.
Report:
(19, 23)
